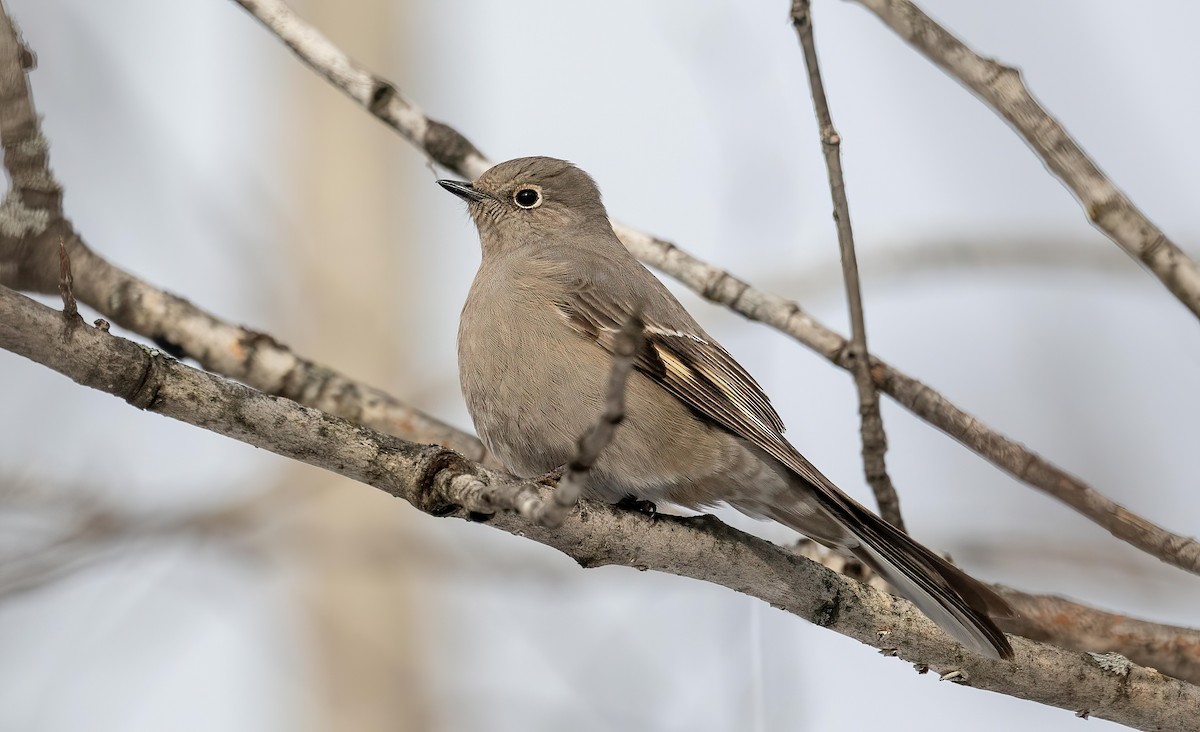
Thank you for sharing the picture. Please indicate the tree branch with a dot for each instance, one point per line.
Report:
(440, 482)
(377, 95)
(874, 439)
(1172, 649)
(1001, 87)
(449, 148)
(32, 225)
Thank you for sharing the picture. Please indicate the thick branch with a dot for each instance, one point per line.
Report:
(452, 150)
(441, 483)
(1172, 649)
(1002, 89)
(874, 439)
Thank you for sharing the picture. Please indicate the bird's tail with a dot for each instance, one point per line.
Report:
(962, 605)
(957, 602)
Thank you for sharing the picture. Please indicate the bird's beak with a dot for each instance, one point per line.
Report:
(465, 191)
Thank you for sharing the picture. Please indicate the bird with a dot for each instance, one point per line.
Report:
(535, 341)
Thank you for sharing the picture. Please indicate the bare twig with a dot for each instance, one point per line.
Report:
(66, 282)
(874, 439)
(1002, 89)
(377, 95)
(625, 349)
(436, 481)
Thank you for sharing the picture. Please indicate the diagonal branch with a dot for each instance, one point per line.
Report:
(1172, 649)
(377, 95)
(450, 149)
(1001, 87)
(874, 439)
(440, 482)
(32, 227)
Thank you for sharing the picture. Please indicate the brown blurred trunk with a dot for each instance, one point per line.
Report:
(356, 580)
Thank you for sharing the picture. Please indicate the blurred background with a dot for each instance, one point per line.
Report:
(154, 576)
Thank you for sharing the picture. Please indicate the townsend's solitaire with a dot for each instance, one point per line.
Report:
(534, 354)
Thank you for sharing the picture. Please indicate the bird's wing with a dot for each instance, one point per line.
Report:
(702, 375)
(692, 367)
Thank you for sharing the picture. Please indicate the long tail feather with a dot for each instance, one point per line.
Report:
(958, 603)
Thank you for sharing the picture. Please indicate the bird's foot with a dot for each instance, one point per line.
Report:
(633, 503)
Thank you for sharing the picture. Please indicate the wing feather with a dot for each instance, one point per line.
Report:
(695, 369)
(702, 375)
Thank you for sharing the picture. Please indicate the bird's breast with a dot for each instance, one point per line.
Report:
(524, 376)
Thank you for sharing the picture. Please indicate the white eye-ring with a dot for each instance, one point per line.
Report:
(528, 196)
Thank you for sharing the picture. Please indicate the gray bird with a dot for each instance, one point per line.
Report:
(534, 352)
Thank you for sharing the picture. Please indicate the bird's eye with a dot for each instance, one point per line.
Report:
(528, 197)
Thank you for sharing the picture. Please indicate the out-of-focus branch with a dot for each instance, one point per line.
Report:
(625, 349)
(874, 439)
(93, 531)
(1002, 89)
(33, 227)
(905, 264)
(377, 95)
(33, 202)
(1172, 649)
(449, 148)
(442, 483)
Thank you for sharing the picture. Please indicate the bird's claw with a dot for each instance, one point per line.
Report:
(633, 503)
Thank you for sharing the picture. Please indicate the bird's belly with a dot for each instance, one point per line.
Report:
(514, 378)
(533, 387)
